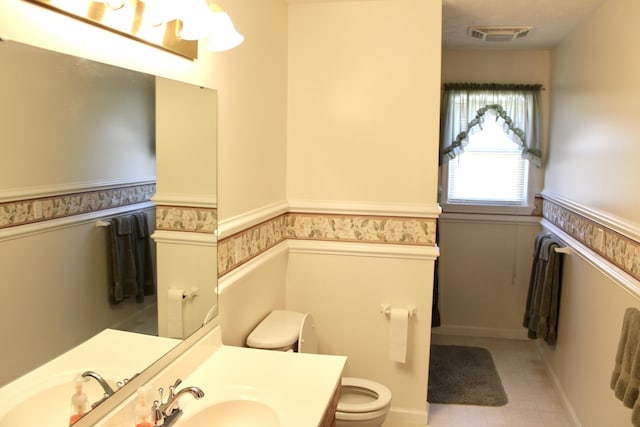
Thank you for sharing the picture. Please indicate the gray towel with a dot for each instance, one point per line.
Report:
(144, 262)
(543, 298)
(123, 260)
(625, 379)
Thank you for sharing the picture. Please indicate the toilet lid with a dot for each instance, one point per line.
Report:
(279, 329)
(307, 340)
(379, 394)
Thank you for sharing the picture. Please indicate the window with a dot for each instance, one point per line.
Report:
(486, 165)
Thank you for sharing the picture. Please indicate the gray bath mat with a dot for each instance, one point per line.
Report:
(464, 376)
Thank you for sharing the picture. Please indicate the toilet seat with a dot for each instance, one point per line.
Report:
(380, 396)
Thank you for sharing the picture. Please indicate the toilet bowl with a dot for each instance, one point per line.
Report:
(363, 403)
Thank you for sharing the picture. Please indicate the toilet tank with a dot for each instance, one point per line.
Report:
(280, 330)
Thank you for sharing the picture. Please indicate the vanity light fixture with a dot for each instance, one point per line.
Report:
(206, 20)
(174, 25)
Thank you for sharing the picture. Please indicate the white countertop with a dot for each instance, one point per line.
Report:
(298, 386)
(113, 354)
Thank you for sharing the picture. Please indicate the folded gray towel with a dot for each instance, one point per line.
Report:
(144, 258)
(625, 379)
(123, 259)
(543, 299)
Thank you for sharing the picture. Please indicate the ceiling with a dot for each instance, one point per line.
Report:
(551, 20)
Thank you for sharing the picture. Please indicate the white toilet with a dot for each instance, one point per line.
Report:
(363, 403)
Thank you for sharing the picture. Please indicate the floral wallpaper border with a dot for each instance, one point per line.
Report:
(620, 250)
(22, 212)
(235, 250)
(180, 218)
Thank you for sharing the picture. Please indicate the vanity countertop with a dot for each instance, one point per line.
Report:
(298, 386)
(111, 353)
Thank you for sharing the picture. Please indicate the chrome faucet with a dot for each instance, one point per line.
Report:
(108, 391)
(168, 412)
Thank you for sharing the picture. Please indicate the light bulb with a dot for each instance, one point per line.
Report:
(222, 34)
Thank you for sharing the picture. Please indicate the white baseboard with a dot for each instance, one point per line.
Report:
(573, 417)
(474, 331)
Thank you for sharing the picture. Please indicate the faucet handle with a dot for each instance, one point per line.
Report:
(172, 389)
(156, 413)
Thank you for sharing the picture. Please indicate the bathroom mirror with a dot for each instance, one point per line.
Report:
(78, 146)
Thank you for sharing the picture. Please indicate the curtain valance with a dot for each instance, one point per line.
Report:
(465, 106)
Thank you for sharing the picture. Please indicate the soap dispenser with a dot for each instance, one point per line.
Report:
(143, 414)
(79, 401)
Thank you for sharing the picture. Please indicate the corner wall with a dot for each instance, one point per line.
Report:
(592, 174)
(363, 108)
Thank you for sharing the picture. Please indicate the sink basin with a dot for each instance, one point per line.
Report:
(51, 396)
(233, 413)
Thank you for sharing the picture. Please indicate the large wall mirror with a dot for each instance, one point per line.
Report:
(78, 149)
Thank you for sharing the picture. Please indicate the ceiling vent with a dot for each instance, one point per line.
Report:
(498, 34)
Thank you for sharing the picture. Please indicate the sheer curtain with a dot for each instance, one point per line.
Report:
(515, 107)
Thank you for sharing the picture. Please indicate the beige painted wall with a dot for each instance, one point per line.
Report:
(363, 113)
(594, 134)
(363, 101)
(484, 271)
(67, 121)
(247, 298)
(344, 293)
(593, 163)
(251, 81)
(485, 264)
(591, 312)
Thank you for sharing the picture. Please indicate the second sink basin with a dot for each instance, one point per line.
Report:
(51, 399)
(234, 413)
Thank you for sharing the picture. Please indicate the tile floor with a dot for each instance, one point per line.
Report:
(533, 400)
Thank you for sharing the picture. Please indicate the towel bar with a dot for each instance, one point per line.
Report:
(101, 223)
(566, 250)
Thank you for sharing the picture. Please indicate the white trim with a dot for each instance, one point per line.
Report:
(616, 274)
(481, 218)
(617, 224)
(231, 278)
(363, 249)
(184, 199)
(566, 403)
(474, 331)
(71, 188)
(408, 416)
(244, 221)
(488, 209)
(185, 237)
(364, 208)
(48, 225)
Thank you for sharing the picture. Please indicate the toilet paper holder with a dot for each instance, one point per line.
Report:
(386, 310)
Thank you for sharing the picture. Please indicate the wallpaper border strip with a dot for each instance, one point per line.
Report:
(30, 211)
(241, 247)
(617, 248)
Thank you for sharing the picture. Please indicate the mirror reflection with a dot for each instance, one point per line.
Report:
(78, 170)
